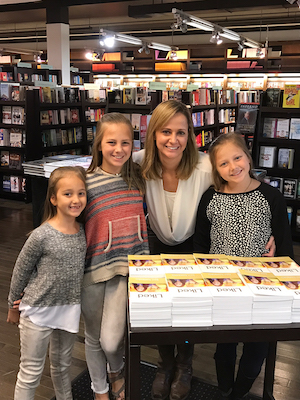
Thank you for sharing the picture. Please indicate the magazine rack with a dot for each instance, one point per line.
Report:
(136, 337)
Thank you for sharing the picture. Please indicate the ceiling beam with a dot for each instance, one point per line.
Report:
(148, 10)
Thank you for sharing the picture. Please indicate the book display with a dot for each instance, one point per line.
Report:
(277, 149)
(193, 290)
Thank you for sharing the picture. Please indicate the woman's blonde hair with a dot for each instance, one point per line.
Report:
(151, 166)
(56, 175)
(130, 171)
(225, 138)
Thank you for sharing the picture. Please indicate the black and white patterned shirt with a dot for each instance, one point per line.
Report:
(241, 224)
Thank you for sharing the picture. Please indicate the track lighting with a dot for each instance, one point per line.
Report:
(183, 19)
(132, 40)
(240, 45)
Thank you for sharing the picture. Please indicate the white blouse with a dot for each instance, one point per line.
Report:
(186, 202)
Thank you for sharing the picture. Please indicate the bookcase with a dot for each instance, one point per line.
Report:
(278, 154)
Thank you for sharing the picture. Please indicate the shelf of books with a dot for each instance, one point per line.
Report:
(277, 148)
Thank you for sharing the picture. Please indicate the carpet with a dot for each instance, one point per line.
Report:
(81, 387)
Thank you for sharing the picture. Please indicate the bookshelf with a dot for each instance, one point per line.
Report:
(285, 177)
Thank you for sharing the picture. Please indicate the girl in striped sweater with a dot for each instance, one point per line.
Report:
(115, 227)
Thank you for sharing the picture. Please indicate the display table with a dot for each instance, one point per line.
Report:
(137, 337)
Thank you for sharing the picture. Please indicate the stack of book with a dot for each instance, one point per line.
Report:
(191, 299)
(272, 302)
(149, 299)
(232, 300)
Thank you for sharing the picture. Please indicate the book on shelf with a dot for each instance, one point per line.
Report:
(44, 117)
(46, 94)
(128, 95)
(295, 128)
(267, 156)
(269, 127)
(18, 115)
(274, 181)
(16, 138)
(285, 158)
(135, 121)
(4, 137)
(15, 161)
(4, 158)
(141, 95)
(289, 188)
(5, 91)
(298, 189)
(6, 114)
(15, 184)
(15, 92)
(282, 128)
(74, 115)
(6, 183)
(247, 116)
(273, 97)
(164, 95)
(291, 96)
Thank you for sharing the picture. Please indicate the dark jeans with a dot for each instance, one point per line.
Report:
(250, 364)
(168, 358)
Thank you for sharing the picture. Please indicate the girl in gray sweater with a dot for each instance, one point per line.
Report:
(49, 272)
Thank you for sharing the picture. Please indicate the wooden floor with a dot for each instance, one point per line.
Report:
(15, 223)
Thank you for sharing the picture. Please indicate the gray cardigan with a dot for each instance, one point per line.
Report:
(49, 268)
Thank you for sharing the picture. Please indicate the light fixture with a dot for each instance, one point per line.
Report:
(173, 55)
(183, 18)
(215, 38)
(132, 40)
(240, 45)
(144, 48)
(37, 58)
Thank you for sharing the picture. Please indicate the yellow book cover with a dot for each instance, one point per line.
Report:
(291, 96)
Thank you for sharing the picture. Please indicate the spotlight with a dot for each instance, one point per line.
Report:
(89, 55)
(37, 58)
(173, 55)
(109, 41)
(216, 38)
(240, 46)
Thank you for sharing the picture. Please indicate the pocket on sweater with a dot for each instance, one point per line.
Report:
(124, 230)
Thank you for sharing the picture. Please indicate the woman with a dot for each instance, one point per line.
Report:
(177, 175)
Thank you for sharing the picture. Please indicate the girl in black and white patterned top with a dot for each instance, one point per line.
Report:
(237, 218)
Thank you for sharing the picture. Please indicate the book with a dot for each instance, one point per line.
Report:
(6, 183)
(291, 97)
(15, 161)
(18, 115)
(285, 158)
(74, 115)
(15, 184)
(15, 138)
(141, 95)
(5, 91)
(128, 95)
(295, 128)
(44, 117)
(4, 137)
(267, 156)
(135, 121)
(46, 95)
(269, 127)
(276, 182)
(247, 116)
(289, 188)
(6, 114)
(273, 97)
(282, 128)
(15, 92)
(4, 158)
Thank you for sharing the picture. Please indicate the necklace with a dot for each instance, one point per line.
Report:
(244, 191)
(110, 173)
(248, 186)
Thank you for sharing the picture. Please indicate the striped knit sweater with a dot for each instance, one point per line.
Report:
(115, 227)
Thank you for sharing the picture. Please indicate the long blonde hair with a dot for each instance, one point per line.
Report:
(59, 173)
(130, 171)
(234, 138)
(151, 166)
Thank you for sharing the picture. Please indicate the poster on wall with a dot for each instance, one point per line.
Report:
(247, 117)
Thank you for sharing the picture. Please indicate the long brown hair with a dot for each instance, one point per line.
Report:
(225, 138)
(130, 171)
(59, 173)
(151, 166)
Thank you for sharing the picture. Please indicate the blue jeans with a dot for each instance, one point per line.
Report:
(34, 341)
(104, 311)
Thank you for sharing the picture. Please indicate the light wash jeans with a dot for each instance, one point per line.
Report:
(34, 341)
(104, 311)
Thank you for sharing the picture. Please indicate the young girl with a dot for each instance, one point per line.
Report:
(49, 271)
(115, 227)
(237, 218)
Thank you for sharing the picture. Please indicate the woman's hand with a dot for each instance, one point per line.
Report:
(270, 248)
(13, 316)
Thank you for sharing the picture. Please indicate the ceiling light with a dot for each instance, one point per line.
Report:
(215, 38)
(109, 41)
(173, 55)
(240, 45)
(89, 55)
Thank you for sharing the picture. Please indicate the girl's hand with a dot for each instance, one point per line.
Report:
(13, 316)
(16, 304)
(270, 248)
